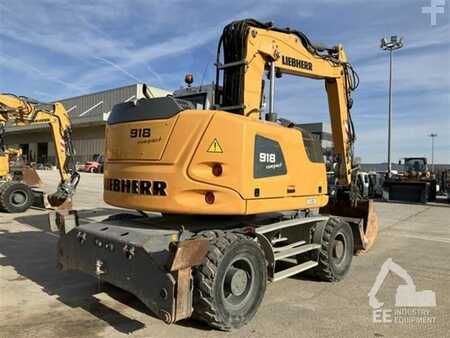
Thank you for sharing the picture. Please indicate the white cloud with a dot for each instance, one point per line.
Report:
(119, 68)
(80, 32)
(20, 66)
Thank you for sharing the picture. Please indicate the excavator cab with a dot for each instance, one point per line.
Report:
(416, 164)
(201, 97)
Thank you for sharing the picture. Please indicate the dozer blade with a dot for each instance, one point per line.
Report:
(362, 218)
(30, 177)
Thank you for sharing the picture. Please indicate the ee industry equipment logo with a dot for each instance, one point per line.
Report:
(411, 306)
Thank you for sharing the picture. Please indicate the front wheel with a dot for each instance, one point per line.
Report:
(336, 252)
(230, 285)
(15, 197)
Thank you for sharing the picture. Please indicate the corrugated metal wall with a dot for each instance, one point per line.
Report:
(101, 103)
(87, 142)
(85, 150)
(88, 114)
(97, 104)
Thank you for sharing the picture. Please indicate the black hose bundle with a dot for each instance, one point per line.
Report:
(233, 39)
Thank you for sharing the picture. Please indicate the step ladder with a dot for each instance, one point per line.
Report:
(292, 250)
(288, 252)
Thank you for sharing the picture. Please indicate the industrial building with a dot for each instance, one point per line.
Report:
(88, 114)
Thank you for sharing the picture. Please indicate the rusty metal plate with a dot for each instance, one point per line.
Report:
(30, 177)
(183, 308)
(188, 253)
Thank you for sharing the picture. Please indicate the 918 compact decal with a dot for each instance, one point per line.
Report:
(268, 159)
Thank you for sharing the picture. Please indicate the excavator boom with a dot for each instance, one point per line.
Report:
(252, 48)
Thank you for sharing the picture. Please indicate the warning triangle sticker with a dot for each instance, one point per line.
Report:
(215, 147)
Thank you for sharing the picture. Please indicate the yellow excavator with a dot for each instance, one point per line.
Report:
(244, 198)
(20, 170)
(13, 153)
(15, 194)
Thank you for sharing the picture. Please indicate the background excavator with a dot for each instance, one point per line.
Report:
(20, 170)
(16, 194)
(244, 197)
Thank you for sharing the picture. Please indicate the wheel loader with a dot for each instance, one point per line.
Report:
(229, 199)
(416, 183)
(16, 182)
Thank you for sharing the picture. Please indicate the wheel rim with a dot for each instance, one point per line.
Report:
(18, 198)
(238, 283)
(339, 248)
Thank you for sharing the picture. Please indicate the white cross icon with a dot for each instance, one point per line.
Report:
(436, 7)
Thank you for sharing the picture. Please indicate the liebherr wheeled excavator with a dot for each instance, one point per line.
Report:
(16, 195)
(244, 199)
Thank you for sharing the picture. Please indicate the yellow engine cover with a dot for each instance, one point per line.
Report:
(210, 162)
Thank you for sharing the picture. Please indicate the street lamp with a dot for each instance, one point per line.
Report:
(390, 46)
(432, 135)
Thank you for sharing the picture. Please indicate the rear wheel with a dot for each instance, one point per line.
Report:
(15, 197)
(336, 252)
(230, 285)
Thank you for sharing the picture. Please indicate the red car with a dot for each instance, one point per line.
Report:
(94, 166)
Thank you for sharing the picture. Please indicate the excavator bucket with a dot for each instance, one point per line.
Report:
(59, 201)
(362, 218)
(30, 177)
(43, 201)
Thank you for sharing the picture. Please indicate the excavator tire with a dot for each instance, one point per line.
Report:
(230, 285)
(336, 254)
(364, 210)
(15, 197)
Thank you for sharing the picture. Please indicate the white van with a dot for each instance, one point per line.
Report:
(363, 183)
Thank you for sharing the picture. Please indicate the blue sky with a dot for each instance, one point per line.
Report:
(57, 49)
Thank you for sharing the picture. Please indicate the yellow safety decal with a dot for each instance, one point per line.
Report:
(215, 147)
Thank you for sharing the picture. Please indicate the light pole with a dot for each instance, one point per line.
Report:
(432, 135)
(390, 46)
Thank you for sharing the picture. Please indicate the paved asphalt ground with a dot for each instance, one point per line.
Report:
(36, 300)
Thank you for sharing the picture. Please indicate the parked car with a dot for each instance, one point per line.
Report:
(94, 166)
